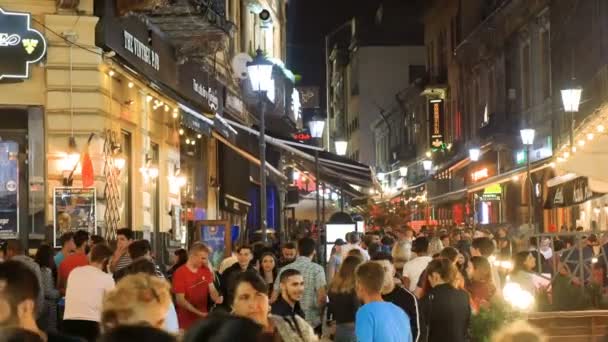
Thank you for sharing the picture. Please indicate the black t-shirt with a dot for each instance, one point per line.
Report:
(55, 337)
(283, 309)
(343, 306)
(409, 303)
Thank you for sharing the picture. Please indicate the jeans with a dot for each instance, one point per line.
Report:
(345, 333)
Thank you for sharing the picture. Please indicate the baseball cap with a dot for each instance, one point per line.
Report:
(340, 242)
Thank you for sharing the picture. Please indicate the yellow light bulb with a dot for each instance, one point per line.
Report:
(590, 136)
(130, 84)
(600, 128)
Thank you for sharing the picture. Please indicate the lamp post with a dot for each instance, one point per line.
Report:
(571, 98)
(427, 164)
(474, 154)
(527, 137)
(316, 127)
(260, 76)
(341, 147)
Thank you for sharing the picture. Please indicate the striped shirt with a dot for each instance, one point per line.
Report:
(124, 261)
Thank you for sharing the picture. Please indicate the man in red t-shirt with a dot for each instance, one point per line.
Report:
(192, 283)
(79, 258)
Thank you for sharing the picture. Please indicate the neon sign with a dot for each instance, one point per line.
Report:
(302, 136)
(480, 174)
(20, 45)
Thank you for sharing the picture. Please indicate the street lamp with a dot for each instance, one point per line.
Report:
(403, 171)
(527, 138)
(260, 76)
(427, 164)
(341, 146)
(316, 127)
(571, 98)
(474, 154)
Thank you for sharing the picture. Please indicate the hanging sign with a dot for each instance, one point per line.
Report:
(20, 45)
(436, 112)
(74, 209)
(570, 193)
(9, 190)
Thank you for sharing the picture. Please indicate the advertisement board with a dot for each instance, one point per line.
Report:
(73, 209)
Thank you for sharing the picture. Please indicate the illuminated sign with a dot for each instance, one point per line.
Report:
(20, 45)
(479, 175)
(493, 189)
(302, 136)
(520, 157)
(436, 112)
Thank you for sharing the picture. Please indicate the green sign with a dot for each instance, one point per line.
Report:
(493, 189)
(520, 157)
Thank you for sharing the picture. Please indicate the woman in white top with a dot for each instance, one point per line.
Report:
(86, 287)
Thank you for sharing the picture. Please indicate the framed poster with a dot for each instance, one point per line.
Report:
(73, 209)
(218, 236)
(9, 190)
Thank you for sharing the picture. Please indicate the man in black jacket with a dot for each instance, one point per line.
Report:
(398, 295)
(292, 289)
(244, 255)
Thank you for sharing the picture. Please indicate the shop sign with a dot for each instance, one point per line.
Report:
(215, 237)
(140, 47)
(309, 97)
(480, 174)
(490, 197)
(302, 135)
(570, 193)
(199, 86)
(436, 112)
(493, 189)
(9, 190)
(20, 45)
(141, 51)
(74, 209)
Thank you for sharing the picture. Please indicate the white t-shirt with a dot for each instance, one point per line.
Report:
(414, 268)
(349, 246)
(84, 293)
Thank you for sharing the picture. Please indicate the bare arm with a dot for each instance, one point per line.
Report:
(322, 297)
(215, 294)
(419, 292)
(180, 299)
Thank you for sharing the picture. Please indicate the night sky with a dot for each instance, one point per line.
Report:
(310, 20)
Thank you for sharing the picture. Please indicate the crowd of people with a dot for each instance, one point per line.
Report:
(397, 287)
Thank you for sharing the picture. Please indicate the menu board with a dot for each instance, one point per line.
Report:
(74, 209)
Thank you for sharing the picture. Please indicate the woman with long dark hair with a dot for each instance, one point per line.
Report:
(180, 256)
(48, 271)
(268, 269)
(343, 302)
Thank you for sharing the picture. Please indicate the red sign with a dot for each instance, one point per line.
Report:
(302, 136)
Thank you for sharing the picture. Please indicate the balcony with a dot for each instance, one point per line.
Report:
(197, 28)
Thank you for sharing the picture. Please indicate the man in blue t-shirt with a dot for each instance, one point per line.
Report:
(377, 320)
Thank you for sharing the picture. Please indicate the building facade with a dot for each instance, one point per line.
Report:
(121, 119)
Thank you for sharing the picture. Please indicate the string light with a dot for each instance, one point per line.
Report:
(600, 128)
(130, 85)
(590, 136)
(181, 131)
(148, 98)
(199, 136)
(111, 73)
(581, 143)
(175, 115)
(167, 109)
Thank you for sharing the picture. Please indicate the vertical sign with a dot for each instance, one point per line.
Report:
(9, 190)
(74, 209)
(436, 113)
(215, 237)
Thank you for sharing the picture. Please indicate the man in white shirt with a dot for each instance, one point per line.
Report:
(414, 268)
(86, 287)
(353, 243)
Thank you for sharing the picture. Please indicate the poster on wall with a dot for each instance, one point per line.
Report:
(215, 237)
(9, 190)
(73, 209)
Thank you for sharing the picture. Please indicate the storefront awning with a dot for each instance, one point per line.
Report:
(570, 193)
(336, 170)
(590, 161)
